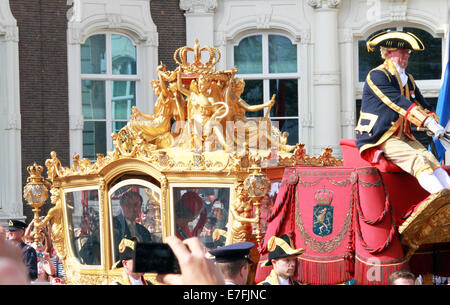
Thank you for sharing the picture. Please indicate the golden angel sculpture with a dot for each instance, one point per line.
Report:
(197, 105)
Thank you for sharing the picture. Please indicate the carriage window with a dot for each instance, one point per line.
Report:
(84, 224)
(136, 214)
(200, 212)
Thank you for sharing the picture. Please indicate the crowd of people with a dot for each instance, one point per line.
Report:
(24, 260)
(22, 263)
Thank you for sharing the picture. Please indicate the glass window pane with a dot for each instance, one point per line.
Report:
(136, 213)
(286, 100)
(123, 98)
(94, 139)
(282, 55)
(290, 126)
(84, 225)
(118, 125)
(93, 54)
(123, 55)
(426, 64)
(253, 95)
(199, 211)
(93, 99)
(248, 55)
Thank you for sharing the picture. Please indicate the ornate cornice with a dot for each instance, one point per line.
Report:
(398, 10)
(324, 3)
(198, 6)
(264, 17)
(84, 18)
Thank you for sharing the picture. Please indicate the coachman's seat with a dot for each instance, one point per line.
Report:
(422, 219)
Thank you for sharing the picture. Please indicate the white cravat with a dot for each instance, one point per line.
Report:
(402, 73)
(135, 282)
(283, 281)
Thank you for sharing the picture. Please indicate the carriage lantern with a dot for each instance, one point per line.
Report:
(35, 193)
(257, 185)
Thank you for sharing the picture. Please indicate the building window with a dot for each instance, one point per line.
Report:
(268, 63)
(108, 89)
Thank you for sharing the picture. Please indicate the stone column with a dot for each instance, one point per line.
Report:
(305, 51)
(10, 120)
(326, 77)
(348, 111)
(199, 21)
(74, 89)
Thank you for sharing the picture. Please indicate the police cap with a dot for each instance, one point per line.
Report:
(14, 225)
(233, 252)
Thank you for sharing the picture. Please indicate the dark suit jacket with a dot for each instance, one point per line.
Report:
(387, 105)
(90, 252)
(121, 231)
(30, 260)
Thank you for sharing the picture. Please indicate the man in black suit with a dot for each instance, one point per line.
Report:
(125, 225)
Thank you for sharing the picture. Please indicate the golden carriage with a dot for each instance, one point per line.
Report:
(198, 139)
(162, 159)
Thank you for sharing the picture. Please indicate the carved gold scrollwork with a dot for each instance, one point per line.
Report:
(430, 223)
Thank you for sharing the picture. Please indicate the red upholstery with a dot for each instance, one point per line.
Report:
(352, 158)
(403, 189)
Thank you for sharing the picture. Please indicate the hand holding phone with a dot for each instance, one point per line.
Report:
(196, 269)
(155, 258)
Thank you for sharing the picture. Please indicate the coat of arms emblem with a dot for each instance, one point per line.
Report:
(323, 212)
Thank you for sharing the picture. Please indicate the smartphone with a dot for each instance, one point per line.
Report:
(155, 258)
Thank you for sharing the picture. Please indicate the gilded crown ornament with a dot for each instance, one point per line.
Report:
(180, 57)
(35, 172)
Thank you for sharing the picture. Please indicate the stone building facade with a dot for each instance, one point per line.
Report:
(309, 52)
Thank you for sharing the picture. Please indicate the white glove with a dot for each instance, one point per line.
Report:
(433, 126)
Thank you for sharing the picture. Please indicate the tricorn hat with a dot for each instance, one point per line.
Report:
(280, 247)
(395, 40)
